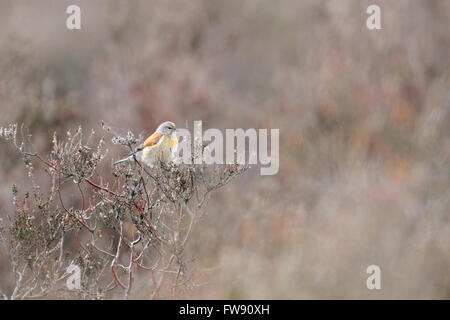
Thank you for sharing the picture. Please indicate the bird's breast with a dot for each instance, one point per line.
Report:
(173, 142)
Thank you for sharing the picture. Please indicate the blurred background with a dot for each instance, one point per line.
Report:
(364, 119)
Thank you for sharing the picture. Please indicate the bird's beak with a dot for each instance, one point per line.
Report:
(175, 129)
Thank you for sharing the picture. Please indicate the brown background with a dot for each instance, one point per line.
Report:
(364, 119)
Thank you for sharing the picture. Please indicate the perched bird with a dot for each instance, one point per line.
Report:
(161, 146)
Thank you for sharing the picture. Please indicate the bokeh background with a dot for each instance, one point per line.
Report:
(364, 119)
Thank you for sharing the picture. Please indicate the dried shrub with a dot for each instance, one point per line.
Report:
(139, 221)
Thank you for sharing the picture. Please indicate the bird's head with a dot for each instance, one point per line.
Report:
(167, 128)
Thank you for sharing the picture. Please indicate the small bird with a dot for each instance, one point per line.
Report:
(161, 146)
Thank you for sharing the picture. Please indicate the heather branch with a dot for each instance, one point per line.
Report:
(158, 203)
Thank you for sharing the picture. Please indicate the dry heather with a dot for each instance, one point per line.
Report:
(141, 219)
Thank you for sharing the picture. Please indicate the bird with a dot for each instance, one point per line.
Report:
(161, 146)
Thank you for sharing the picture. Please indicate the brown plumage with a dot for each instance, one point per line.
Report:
(152, 140)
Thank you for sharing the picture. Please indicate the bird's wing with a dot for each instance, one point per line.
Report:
(152, 140)
(149, 142)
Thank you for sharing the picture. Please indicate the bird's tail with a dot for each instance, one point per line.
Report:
(123, 160)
